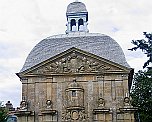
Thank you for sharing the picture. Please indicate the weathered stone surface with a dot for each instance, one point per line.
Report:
(76, 77)
(97, 96)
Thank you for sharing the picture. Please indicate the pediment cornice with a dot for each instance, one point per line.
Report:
(75, 61)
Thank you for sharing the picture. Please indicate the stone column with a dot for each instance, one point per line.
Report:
(68, 26)
(59, 101)
(100, 80)
(113, 93)
(36, 101)
(24, 89)
(85, 26)
(90, 100)
(49, 88)
(77, 25)
(125, 84)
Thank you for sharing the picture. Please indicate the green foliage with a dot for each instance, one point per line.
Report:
(145, 46)
(3, 113)
(141, 91)
(142, 95)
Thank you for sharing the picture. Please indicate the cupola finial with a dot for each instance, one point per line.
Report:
(77, 17)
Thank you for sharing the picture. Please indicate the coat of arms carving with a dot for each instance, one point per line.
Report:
(74, 63)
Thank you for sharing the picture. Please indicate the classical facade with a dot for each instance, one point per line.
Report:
(76, 77)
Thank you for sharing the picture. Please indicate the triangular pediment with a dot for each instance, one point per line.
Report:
(75, 61)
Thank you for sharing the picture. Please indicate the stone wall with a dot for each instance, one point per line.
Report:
(110, 88)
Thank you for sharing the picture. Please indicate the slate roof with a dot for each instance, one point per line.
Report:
(76, 7)
(98, 44)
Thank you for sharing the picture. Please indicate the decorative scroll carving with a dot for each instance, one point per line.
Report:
(74, 63)
(79, 115)
(66, 116)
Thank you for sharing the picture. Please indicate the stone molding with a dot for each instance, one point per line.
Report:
(73, 63)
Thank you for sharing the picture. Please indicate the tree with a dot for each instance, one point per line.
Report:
(142, 96)
(141, 91)
(145, 46)
(3, 113)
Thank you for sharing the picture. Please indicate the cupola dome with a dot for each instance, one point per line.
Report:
(76, 7)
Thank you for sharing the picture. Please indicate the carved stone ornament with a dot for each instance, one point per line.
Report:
(74, 63)
(101, 103)
(23, 106)
(127, 102)
(127, 105)
(79, 115)
(49, 104)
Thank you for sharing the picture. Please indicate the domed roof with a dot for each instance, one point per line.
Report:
(98, 44)
(76, 7)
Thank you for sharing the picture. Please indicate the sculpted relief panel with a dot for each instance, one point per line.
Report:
(73, 63)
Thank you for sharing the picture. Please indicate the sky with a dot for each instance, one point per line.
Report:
(24, 23)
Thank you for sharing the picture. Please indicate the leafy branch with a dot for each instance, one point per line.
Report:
(145, 46)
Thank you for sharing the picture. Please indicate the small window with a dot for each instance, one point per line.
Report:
(74, 94)
(73, 23)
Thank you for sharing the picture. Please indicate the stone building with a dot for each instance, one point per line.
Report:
(76, 77)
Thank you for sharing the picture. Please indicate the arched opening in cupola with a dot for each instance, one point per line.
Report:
(73, 25)
(80, 25)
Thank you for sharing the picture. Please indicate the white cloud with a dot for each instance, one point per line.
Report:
(23, 23)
